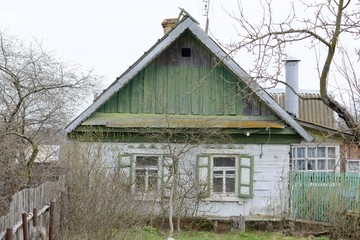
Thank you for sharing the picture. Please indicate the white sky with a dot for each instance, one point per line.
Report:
(110, 35)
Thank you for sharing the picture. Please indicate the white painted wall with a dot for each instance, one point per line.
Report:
(271, 166)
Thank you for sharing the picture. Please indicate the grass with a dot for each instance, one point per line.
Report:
(149, 233)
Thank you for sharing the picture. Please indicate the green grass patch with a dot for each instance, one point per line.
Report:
(149, 233)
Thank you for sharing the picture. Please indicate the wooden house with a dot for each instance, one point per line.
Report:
(185, 104)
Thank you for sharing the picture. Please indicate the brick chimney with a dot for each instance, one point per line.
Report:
(168, 24)
(291, 78)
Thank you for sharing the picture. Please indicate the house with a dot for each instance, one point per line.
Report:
(185, 104)
(334, 148)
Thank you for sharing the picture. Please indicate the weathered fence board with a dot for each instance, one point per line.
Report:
(28, 199)
(323, 196)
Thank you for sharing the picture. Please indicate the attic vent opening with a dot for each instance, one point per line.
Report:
(186, 52)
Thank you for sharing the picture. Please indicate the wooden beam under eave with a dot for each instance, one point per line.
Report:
(195, 124)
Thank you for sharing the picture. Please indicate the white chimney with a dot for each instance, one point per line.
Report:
(291, 77)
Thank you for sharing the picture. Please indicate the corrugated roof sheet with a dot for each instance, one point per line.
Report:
(313, 111)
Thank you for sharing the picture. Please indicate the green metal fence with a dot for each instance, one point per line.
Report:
(323, 196)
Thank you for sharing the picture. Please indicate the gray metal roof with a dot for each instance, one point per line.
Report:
(188, 23)
(313, 111)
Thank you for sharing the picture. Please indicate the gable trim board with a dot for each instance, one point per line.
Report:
(158, 48)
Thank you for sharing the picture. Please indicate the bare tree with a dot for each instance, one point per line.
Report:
(181, 192)
(329, 27)
(39, 93)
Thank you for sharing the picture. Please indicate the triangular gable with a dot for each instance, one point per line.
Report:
(166, 41)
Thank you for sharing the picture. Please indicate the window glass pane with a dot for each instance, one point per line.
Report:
(230, 184)
(218, 185)
(230, 172)
(321, 151)
(245, 175)
(311, 165)
(321, 164)
(331, 152)
(300, 152)
(245, 190)
(146, 161)
(245, 161)
(153, 172)
(218, 173)
(331, 164)
(224, 162)
(300, 164)
(354, 166)
(152, 183)
(140, 180)
(311, 152)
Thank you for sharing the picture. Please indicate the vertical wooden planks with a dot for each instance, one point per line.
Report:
(173, 78)
(161, 89)
(149, 88)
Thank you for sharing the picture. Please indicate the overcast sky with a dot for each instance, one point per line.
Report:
(110, 35)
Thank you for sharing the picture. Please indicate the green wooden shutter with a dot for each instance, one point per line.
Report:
(203, 174)
(245, 176)
(125, 163)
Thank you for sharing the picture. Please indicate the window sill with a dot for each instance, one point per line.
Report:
(222, 198)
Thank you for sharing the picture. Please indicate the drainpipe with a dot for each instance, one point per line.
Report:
(291, 78)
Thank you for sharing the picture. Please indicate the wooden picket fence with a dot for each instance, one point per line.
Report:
(40, 206)
(323, 196)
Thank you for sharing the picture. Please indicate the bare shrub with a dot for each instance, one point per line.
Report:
(100, 204)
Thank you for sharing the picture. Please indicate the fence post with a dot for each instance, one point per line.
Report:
(9, 234)
(51, 221)
(25, 226)
(62, 213)
(35, 217)
(237, 223)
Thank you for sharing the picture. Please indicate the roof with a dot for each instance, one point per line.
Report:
(312, 111)
(188, 23)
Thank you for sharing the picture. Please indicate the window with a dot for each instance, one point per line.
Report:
(142, 171)
(186, 52)
(225, 175)
(146, 173)
(353, 165)
(309, 158)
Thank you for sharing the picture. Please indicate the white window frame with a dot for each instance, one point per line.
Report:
(348, 169)
(147, 169)
(311, 161)
(224, 169)
(244, 177)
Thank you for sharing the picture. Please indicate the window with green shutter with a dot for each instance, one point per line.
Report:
(146, 173)
(245, 176)
(225, 175)
(125, 165)
(202, 172)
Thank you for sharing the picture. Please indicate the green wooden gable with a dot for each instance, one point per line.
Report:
(186, 79)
